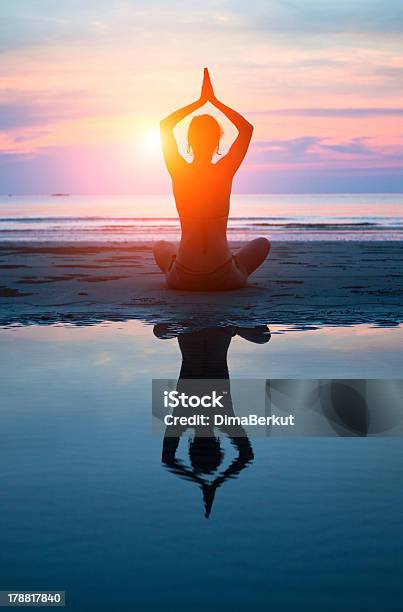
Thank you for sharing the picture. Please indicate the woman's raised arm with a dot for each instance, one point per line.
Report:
(172, 157)
(238, 150)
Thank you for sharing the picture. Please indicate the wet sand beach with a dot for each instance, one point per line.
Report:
(302, 283)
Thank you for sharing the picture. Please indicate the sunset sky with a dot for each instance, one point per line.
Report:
(84, 84)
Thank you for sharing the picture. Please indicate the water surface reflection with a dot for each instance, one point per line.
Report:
(205, 356)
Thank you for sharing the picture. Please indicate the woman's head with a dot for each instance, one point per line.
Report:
(205, 454)
(204, 135)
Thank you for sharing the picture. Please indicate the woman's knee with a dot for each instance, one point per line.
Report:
(259, 248)
(160, 246)
(164, 252)
(252, 255)
(263, 244)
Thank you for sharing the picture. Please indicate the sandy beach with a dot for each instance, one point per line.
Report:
(302, 284)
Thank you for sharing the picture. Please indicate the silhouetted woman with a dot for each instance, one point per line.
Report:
(202, 192)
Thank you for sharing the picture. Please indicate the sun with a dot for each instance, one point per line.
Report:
(150, 140)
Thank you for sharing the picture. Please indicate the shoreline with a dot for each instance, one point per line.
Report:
(301, 284)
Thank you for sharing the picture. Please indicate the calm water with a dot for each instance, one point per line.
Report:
(296, 217)
(88, 507)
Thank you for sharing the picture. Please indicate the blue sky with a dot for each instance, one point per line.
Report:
(84, 84)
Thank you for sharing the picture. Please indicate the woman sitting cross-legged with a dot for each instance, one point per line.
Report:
(202, 190)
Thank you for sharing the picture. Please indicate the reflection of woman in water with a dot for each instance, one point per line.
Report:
(202, 192)
(204, 356)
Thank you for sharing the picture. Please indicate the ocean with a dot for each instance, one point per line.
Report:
(63, 217)
(88, 507)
